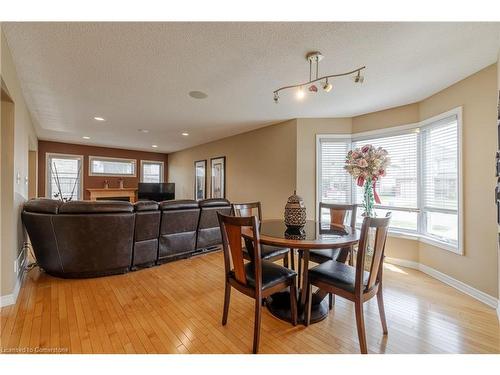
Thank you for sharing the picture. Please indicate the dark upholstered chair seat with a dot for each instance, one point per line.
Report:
(337, 274)
(271, 274)
(268, 252)
(321, 256)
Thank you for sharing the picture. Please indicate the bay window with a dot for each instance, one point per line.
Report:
(422, 185)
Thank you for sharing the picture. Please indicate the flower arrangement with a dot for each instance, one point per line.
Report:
(367, 165)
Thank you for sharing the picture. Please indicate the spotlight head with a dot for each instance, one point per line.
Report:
(327, 87)
(276, 98)
(300, 93)
(313, 88)
(359, 78)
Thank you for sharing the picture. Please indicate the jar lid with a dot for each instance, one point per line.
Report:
(294, 198)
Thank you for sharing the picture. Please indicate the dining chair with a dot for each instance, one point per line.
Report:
(268, 252)
(258, 278)
(339, 214)
(354, 283)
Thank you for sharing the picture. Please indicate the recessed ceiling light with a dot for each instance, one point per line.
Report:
(97, 118)
(185, 134)
(143, 130)
(197, 94)
(154, 146)
(86, 137)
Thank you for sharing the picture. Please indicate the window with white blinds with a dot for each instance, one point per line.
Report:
(422, 184)
(334, 183)
(440, 179)
(398, 190)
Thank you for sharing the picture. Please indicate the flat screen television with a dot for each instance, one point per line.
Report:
(162, 191)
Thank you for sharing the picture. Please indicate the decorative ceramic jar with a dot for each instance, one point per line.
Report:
(293, 233)
(295, 212)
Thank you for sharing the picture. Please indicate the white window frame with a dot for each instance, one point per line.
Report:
(319, 138)
(459, 249)
(397, 130)
(48, 156)
(162, 168)
(133, 161)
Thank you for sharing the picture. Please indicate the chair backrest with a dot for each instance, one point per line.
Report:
(231, 229)
(381, 226)
(247, 209)
(339, 212)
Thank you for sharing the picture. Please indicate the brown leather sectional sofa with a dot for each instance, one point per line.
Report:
(97, 238)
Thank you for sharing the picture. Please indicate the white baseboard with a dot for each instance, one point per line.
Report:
(459, 285)
(11, 299)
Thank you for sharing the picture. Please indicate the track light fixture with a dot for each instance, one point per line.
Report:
(314, 58)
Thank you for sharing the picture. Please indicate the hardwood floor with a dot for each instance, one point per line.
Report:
(166, 309)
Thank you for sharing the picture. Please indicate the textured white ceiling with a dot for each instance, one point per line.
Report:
(138, 75)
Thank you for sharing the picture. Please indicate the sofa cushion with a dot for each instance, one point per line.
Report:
(82, 207)
(180, 204)
(43, 205)
(214, 202)
(146, 206)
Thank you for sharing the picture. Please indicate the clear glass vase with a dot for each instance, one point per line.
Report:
(368, 198)
(368, 205)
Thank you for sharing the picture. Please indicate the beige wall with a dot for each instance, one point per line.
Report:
(307, 129)
(24, 140)
(260, 166)
(498, 146)
(477, 95)
(7, 227)
(406, 114)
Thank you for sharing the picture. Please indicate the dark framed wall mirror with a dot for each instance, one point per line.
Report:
(218, 174)
(200, 179)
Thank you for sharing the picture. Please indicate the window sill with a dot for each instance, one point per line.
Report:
(427, 240)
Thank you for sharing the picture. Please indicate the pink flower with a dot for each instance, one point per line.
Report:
(362, 163)
(365, 148)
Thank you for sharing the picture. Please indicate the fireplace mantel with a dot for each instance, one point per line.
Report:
(129, 193)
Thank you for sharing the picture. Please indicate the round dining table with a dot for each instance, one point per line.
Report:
(312, 236)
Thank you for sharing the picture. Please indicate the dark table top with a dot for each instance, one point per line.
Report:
(311, 236)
